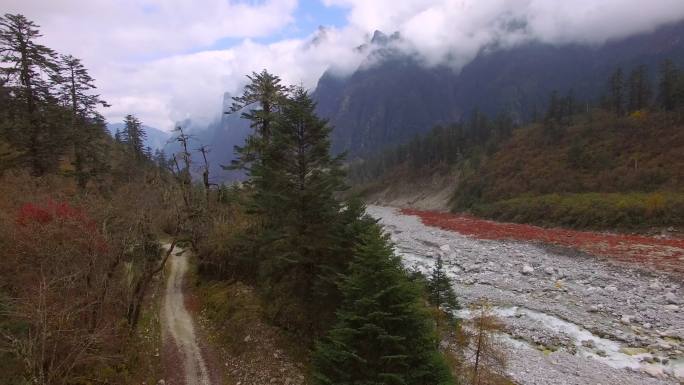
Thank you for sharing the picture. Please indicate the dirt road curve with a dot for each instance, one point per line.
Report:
(178, 326)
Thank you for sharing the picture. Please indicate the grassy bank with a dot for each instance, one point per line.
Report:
(590, 210)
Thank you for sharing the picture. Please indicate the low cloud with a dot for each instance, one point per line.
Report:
(454, 31)
(191, 86)
(154, 58)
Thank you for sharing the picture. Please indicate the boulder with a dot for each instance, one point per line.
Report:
(527, 269)
(671, 298)
(654, 371)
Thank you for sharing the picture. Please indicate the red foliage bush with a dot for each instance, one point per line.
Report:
(72, 222)
(52, 211)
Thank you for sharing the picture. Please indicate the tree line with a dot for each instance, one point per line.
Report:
(629, 94)
(478, 135)
(441, 147)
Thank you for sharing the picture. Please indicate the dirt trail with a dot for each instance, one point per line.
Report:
(178, 323)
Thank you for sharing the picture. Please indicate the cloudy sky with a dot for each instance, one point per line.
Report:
(168, 60)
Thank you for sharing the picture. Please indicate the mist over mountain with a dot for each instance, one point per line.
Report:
(219, 137)
(393, 96)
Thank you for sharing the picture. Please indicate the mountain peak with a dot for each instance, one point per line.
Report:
(379, 38)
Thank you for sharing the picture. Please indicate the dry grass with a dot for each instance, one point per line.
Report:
(253, 352)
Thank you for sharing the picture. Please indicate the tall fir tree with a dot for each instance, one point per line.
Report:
(87, 125)
(295, 184)
(616, 87)
(260, 103)
(668, 85)
(639, 89)
(30, 70)
(440, 289)
(133, 136)
(383, 334)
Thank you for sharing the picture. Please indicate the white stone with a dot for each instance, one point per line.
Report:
(653, 371)
(678, 371)
(445, 248)
(671, 298)
(527, 269)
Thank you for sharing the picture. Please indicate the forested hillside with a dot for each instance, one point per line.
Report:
(393, 96)
(89, 225)
(610, 163)
(81, 216)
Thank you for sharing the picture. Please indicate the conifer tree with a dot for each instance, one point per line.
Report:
(263, 97)
(87, 125)
(639, 89)
(383, 334)
(569, 108)
(29, 69)
(133, 135)
(440, 289)
(294, 186)
(554, 111)
(616, 91)
(161, 159)
(668, 84)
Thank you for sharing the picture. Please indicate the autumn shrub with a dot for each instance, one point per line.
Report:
(70, 262)
(225, 252)
(56, 268)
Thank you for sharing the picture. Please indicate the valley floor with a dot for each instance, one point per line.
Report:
(572, 318)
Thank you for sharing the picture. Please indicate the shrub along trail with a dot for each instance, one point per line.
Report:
(661, 254)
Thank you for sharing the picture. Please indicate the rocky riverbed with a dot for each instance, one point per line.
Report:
(571, 318)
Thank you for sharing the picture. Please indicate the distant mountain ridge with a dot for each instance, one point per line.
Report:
(392, 96)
